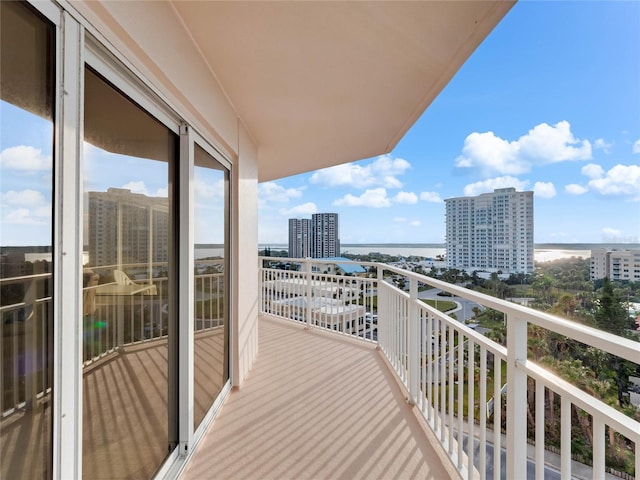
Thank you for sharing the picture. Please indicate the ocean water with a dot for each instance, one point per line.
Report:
(543, 252)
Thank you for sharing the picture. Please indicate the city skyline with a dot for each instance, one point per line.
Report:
(543, 104)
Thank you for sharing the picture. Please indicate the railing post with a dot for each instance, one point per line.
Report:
(309, 293)
(413, 340)
(516, 397)
(383, 314)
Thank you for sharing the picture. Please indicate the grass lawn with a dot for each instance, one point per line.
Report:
(441, 305)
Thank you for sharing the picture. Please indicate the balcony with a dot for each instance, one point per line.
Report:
(396, 374)
(316, 405)
(355, 378)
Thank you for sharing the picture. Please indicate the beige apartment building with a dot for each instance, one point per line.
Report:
(615, 264)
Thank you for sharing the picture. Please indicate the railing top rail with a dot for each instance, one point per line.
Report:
(620, 422)
(478, 338)
(619, 346)
(24, 278)
(319, 261)
(614, 344)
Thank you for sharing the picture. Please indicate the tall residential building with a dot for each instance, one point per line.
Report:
(130, 224)
(316, 238)
(299, 237)
(615, 264)
(492, 231)
(325, 235)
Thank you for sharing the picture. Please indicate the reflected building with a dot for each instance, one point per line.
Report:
(127, 227)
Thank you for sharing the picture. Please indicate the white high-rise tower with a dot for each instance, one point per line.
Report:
(492, 231)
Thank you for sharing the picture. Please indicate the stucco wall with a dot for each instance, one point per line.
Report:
(246, 293)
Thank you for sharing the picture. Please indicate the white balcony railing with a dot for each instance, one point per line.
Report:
(110, 323)
(466, 385)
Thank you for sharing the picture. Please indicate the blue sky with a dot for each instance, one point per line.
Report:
(549, 102)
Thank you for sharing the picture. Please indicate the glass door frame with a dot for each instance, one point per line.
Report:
(189, 137)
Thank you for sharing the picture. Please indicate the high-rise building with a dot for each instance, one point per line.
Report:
(491, 231)
(615, 264)
(131, 225)
(325, 235)
(316, 238)
(299, 237)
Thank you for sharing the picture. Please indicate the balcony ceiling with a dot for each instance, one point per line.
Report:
(323, 83)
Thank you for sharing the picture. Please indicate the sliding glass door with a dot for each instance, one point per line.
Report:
(27, 92)
(129, 286)
(211, 284)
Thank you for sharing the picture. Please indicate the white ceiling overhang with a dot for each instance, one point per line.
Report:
(323, 83)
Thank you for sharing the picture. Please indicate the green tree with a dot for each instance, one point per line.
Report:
(611, 316)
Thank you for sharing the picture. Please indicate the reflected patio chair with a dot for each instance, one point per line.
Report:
(122, 278)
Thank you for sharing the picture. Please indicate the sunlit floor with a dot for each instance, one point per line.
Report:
(125, 407)
(124, 413)
(315, 406)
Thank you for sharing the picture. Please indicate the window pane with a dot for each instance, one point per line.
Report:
(211, 327)
(26, 188)
(128, 290)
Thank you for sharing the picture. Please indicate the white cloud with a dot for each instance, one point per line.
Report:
(25, 159)
(204, 190)
(308, 208)
(23, 198)
(636, 147)
(136, 187)
(140, 187)
(272, 192)
(408, 198)
(619, 180)
(375, 198)
(575, 189)
(25, 207)
(601, 143)
(544, 144)
(544, 190)
(24, 216)
(381, 172)
(162, 192)
(592, 170)
(432, 197)
(611, 232)
(415, 223)
(488, 186)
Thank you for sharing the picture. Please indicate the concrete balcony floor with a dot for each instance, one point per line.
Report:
(316, 406)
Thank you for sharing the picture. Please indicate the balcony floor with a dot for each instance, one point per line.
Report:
(316, 406)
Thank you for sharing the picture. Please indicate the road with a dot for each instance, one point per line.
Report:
(465, 307)
(550, 473)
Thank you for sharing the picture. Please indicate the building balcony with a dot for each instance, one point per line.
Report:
(389, 388)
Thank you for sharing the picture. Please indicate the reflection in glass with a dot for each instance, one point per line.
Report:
(26, 305)
(211, 325)
(127, 292)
